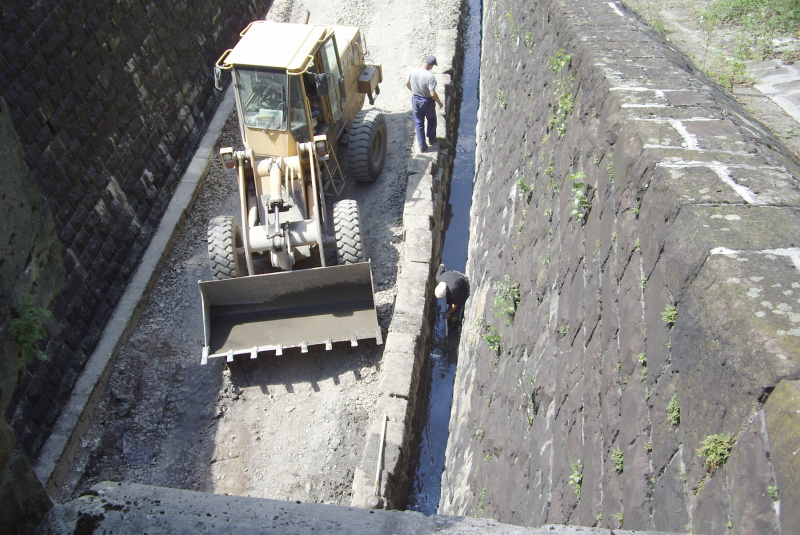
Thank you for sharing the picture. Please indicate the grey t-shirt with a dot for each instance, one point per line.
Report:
(422, 82)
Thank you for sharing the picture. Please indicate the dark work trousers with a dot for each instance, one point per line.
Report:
(424, 108)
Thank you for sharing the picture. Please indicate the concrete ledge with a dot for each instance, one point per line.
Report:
(395, 381)
(406, 344)
(56, 454)
(131, 508)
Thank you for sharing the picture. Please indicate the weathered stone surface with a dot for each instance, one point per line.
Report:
(783, 427)
(669, 492)
(23, 501)
(732, 344)
(751, 503)
(689, 204)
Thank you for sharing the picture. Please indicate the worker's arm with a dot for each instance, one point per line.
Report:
(435, 97)
(408, 85)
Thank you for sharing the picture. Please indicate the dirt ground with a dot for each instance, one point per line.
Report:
(289, 427)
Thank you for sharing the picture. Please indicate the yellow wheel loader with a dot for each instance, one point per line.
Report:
(299, 92)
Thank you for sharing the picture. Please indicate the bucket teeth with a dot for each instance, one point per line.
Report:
(245, 316)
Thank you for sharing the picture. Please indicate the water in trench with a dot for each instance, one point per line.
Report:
(438, 388)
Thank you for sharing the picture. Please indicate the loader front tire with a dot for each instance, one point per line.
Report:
(346, 223)
(224, 243)
(367, 145)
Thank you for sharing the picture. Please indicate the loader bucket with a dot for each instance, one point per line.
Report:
(275, 311)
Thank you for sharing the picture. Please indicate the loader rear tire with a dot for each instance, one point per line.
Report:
(224, 242)
(346, 223)
(367, 145)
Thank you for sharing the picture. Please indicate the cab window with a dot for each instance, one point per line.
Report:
(298, 122)
(330, 63)
(262, 94)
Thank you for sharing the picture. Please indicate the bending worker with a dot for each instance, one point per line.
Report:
(422, 84)
(454, 287)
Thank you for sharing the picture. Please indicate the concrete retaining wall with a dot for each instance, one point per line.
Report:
(651, 226)
(408, 341)
(109, 100)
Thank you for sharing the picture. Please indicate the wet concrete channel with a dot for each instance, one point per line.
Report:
(437, 389)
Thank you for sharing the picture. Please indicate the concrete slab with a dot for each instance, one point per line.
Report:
(778, 81)
(396, 374)
(131, 508)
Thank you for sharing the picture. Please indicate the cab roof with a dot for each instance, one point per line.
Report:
(275, 44)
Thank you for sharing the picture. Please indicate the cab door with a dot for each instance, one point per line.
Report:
(329, 57)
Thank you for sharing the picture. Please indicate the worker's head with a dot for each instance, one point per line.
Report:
(440, 291)
(430, 60)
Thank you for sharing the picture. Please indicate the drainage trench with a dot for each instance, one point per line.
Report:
(429, 457)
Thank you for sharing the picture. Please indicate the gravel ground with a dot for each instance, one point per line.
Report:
(289, 427)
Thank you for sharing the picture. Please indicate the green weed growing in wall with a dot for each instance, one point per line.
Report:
(670, 315)
(576, 477)
(618, 459)
(716, 449)
(529, 42)
(673, 410)
(772, 490)
(493, 338)
(525, 388)
(523, 187)
(559, 61)
(564, 106)
(27, 328)
(506, 298)
(580, 202)
(512, 27)
(501, 98)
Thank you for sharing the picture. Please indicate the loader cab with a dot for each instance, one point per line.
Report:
(273, 114)
(285, 97)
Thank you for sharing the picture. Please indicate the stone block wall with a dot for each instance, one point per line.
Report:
(109, 99)
(651, 227)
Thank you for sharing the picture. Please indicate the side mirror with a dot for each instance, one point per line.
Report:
(217, 78)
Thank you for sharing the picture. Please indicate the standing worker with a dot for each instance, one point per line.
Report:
(454, 288)
(422, 84)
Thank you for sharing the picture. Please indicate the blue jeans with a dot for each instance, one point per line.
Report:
(424, 109)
